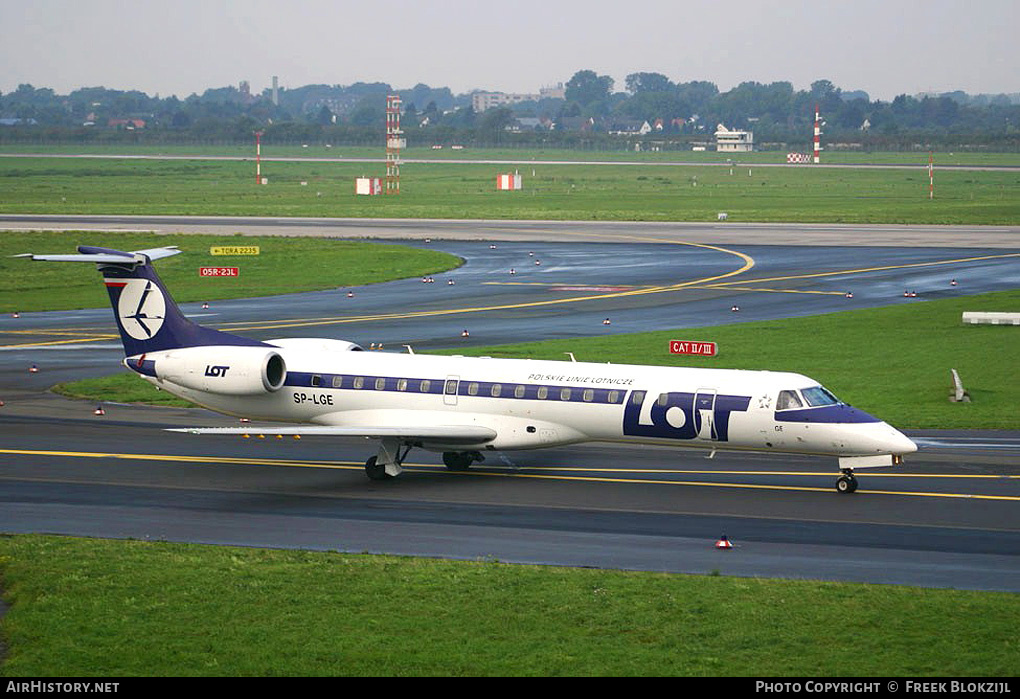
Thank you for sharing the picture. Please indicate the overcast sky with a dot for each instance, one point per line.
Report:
(885, 47)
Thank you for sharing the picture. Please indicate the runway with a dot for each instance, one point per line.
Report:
(948, 518)
(729, 232)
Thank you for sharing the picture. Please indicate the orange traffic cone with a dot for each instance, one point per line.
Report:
(723, 543)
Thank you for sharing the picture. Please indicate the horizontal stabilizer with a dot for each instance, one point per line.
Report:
(448, 434)
(105, 256)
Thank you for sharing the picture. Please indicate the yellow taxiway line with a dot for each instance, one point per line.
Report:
(706, 282)
(866, 270)
(512, 473)
(748, 263)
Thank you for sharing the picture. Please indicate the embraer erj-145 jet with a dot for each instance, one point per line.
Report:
(464, 406)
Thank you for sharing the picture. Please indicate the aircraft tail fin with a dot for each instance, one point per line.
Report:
(147, 316)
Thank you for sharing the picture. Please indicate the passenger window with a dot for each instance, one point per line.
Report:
(380, 384)
(338, 381)
(496, 390)
(473, 388)
(663, 399)
(359, 381)
(637, 397)
(316, 380)
(587, 395)
(519, 392)
(565, 394)
(613, 396)
(543, 392)
(425, 385)
(788, 400)
(401, 384)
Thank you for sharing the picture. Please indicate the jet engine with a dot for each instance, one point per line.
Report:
(229, 370)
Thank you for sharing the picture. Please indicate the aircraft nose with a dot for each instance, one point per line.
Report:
(900, 443)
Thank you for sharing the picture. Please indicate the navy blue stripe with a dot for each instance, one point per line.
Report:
(482, 389)
(829, 414)
(145, 366)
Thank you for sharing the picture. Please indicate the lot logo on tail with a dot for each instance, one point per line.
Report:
(141, 307)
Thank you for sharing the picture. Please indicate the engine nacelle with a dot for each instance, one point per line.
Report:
(229, 370)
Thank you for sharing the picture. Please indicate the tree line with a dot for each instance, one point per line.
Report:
(592, 114)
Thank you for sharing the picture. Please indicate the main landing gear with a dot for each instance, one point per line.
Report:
(387, 463)
(847, 483)
(461, 460)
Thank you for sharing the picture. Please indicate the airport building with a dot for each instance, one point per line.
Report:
(727, 141)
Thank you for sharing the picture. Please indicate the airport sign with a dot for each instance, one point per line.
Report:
(701, 349)
(218, 271)
(234, 250)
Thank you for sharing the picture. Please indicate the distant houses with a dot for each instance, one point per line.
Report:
(127, 124)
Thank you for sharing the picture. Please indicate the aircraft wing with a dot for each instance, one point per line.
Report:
(446, 434)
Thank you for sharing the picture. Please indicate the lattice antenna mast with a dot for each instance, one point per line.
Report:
(394, 142)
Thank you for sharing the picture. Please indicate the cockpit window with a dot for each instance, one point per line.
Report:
(788, 400)
(817, 396)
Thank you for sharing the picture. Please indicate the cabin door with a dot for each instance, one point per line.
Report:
(450, 389)
(704, 408)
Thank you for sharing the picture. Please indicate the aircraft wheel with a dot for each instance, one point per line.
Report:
(458, 460)
(846, 484)
(374, 471)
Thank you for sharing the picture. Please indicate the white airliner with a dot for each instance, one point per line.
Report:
(464, 406)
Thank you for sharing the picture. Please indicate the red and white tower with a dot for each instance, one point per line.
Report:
(818, 135)
(394, 142)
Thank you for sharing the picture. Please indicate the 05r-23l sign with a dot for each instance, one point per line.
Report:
(218, 271)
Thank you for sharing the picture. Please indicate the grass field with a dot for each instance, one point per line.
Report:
(551, 192)
(88, 608)
(283, 265)
(893, 362)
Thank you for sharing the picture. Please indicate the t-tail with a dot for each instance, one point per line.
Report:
(147, 316)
